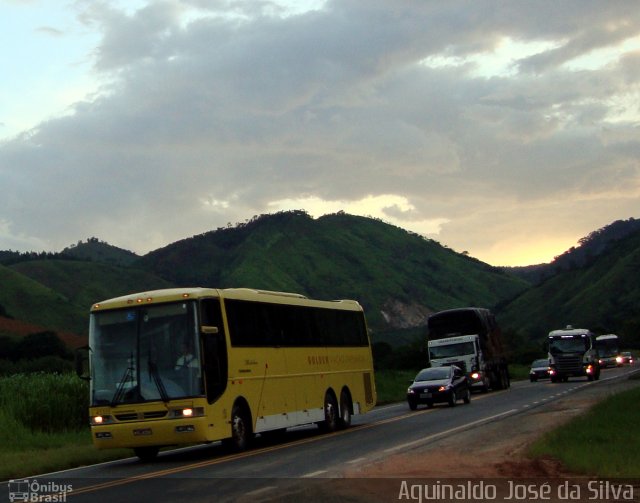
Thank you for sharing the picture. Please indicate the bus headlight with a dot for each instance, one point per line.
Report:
(100, 420)
(187, 412)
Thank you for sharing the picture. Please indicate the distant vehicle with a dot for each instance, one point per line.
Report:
(437, 385)
(608, 347)
(627, 358)
(469, 338)
(572, 353)
(540, 369)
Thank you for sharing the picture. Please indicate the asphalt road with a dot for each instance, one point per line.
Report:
(302, 456)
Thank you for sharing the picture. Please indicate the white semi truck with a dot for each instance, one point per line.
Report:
(573, 353)
(469, 338)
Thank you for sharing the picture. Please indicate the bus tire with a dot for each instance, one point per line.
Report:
(146, 454)
(241, 433)
(345, 409)
(331, 417)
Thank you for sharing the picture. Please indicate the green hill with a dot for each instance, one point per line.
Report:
(589, 249)
(84, 283)
(603, 295)
(26, 299)
(398, 277)
(99, 251)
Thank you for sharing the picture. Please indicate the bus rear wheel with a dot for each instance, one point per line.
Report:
(345, 409)
(331, 419)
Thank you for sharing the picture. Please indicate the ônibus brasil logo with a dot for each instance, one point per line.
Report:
(31, 491)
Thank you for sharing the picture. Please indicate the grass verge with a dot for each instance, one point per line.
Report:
(25, 452)
(391, 385)
(603, 442)
(519, 371)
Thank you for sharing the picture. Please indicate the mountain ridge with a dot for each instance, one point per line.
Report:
(398, 276)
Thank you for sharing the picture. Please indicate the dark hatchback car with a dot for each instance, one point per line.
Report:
(539, 370)
(439, 384)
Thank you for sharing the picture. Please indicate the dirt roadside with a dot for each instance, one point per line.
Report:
(502, 452)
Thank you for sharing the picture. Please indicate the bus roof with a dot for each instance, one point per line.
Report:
(250, 294)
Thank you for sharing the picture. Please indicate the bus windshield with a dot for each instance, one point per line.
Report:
(145, 353)
(459, 349)
(607, 347)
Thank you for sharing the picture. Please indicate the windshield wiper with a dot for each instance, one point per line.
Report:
(128, 374)
(153, 371)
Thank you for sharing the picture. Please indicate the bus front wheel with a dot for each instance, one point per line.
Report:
(240, 429)
(146, 453)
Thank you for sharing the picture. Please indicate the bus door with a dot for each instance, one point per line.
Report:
(214, 348)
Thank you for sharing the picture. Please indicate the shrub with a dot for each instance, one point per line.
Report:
(48, 364)
(46, 402)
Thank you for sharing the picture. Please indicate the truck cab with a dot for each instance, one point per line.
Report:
(572, 353)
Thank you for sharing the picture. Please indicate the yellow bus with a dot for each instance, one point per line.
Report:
(195, 365)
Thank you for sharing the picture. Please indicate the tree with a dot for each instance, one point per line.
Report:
(8, 348)
(3, 312)
(41, 344)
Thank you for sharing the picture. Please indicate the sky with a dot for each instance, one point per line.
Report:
(507, 130)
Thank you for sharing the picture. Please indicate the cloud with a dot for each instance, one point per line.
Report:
(208, 115)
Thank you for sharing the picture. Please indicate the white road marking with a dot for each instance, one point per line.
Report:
(314, 474)
(260, 491)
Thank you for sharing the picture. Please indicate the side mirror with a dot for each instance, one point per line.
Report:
(205, 329)
(82, 363)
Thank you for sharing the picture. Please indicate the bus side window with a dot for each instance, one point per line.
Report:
(214, 349)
